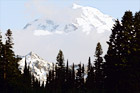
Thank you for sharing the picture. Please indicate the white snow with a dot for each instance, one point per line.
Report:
(38, 67)
(76, 38)
(89, 19)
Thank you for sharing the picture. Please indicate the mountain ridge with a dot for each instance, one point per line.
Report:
(77, 38)
(88, 19)
(37, 66)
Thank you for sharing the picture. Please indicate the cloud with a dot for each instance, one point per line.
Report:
(51, 10)
(42, 32)
(77, 46)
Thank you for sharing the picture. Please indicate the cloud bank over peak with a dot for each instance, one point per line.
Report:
(75, 18)
(75, 30)
(48, 10)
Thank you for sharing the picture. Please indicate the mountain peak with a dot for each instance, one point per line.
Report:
(83, 18)
(31, 53)
(74, 6)
(38, 66)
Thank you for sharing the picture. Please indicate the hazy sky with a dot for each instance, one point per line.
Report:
(15, 14)
(77, 46)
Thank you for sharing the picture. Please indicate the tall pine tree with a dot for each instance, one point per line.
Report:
(121, 58)
(99, 78)
(60, 71)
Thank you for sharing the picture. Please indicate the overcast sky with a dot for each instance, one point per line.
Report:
(15, 14)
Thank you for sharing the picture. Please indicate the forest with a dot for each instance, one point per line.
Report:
(116, 72)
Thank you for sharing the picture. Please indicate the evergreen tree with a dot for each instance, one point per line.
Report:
(73, 78)
(67, 85)
(137, 32)
(127, 28)
(113, 58)
(120, 58)
(1, 44)
(36, 86)
(90, 81)
(56, 84)
(12, 72)
(9, 45)
(49, 81)
(82, 78)
(79, 77)
(27, 78)
(134, 58)
(1, 66)
(60, 59)
(98, 68)
(53, 73)
(4, 66)
(89, 65)
(60, 71)
(90, 84)
(67, 72)
(136, 48)
(9, 65)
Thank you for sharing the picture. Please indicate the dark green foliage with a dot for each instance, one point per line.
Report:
(60, 71)
(73, 78)
(68, 78)
(99, 78)
(90, 81)
(60, 59)
(9, 72)
(90, 76)
(134, 57)
(121, 72)
(1, 66)
(80, 78)
(26, 77)
(89, 65)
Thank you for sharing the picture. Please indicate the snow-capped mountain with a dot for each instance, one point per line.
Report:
(76, 34)
(38, 67)
(88, 19)
(49, 25)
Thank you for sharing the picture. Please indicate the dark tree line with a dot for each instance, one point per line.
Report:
(117, 72)
(122, 66)
(9, 73)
